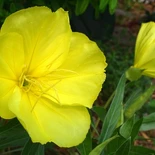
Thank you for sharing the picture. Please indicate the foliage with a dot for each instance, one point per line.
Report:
(78, 6)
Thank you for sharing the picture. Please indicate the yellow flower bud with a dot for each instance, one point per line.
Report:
(145, 50)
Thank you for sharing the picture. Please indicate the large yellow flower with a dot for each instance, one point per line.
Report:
(49, 75)
(145, 50)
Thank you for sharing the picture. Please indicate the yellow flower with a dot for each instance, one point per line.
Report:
(145, 50)
(49, 75)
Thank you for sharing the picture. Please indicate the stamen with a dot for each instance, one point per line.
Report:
(44, 92)
(40, 88)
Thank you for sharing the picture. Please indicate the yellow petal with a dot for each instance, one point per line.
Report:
(11, 47)
(46, 37)
(46, 121)
(6, 90)
(149, 68)
(79, 79)
(145, 45)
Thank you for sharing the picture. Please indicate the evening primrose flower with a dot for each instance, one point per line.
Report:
(144, 62)
(49, 75)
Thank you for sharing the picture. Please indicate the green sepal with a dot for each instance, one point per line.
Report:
(133, 74)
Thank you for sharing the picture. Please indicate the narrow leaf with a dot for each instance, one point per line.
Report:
(97, 150)
(139, 150)
(135, 129)
(9, 126)
(85, 147)
(134, 95)
(112, 6)
(148, 122)
(12, 134)
(139, 102)
(14, 140)
(103, 5)
(114, 145)
(114, 112)
(151, 106)
(125, 148)
(33, 148)
(40, 150)
(126, 128)
(81, 6)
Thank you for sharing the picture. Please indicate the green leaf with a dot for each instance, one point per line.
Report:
(151, 105)
(98, 149)
(12, 134)
(81, 6)
(139, 150)
(121, 120)
(33, 148)
(114, 145)
(125, 148)
(85, 147)
(114, 112)
(103, 5)
(118, 146)
(148, 122)
(126, 128)
(10, 125)
(134, 95)
(135, 129)
(17, 139)
(1, 4)
(100, 111)
(96, 8)
(112, 6)
(40, 150)
(139, 102)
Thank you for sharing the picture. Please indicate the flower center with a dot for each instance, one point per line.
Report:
(25, 83)
(28, 83)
